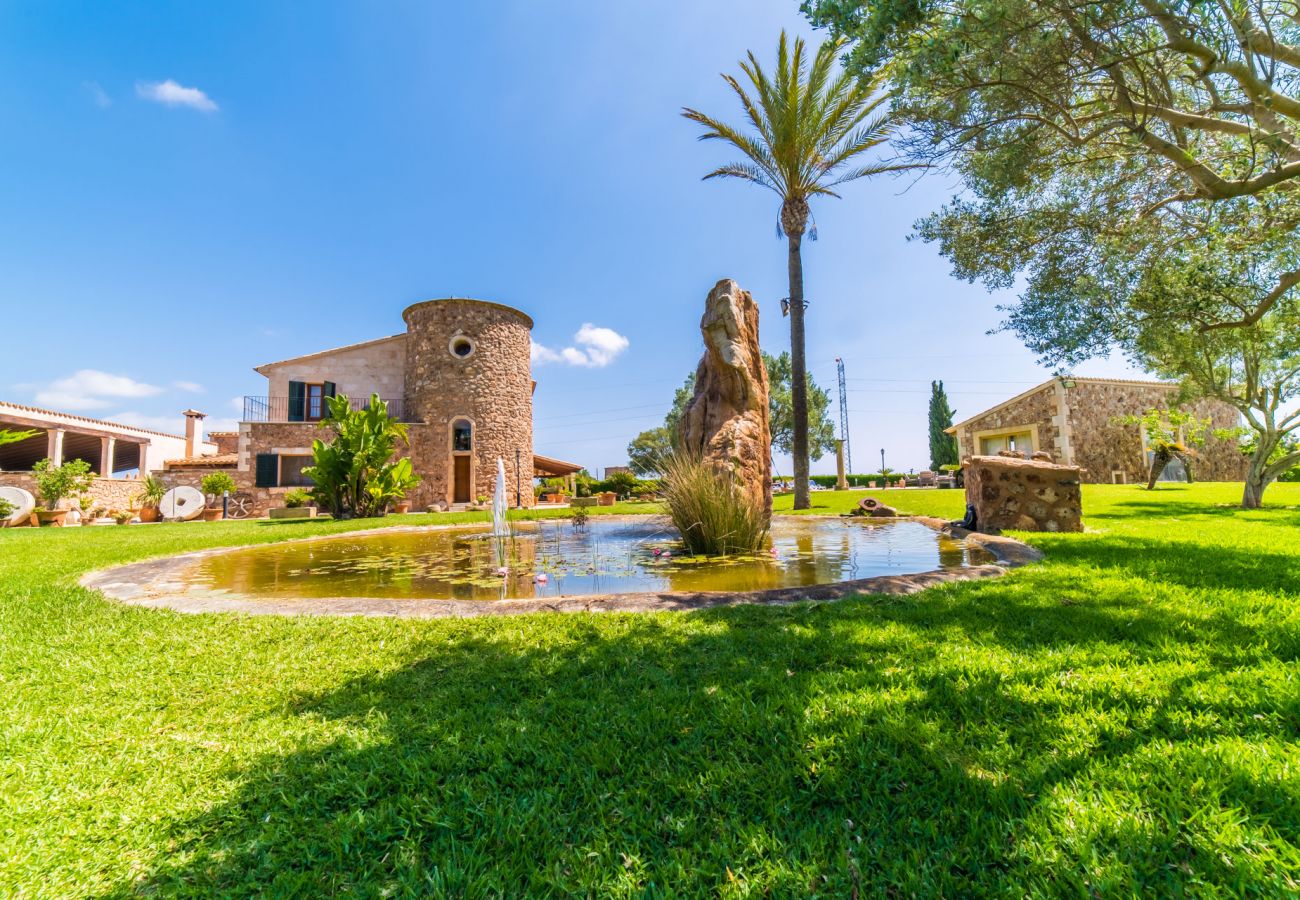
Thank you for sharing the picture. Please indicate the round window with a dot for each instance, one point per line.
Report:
(461, 346)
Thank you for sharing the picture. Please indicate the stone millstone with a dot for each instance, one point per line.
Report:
(727, 419)
(1023, 494)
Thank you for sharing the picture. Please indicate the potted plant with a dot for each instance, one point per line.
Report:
(402, 506)
(122, 516)
(54, 483)
(150, 497)
(214, 485)
(297, 505)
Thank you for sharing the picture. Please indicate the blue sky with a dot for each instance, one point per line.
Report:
(189, 191)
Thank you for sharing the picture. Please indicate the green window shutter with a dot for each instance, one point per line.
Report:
(329, 389)
(297, 401)
(268, 470)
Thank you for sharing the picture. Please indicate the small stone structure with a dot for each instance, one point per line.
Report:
(727, 419)
(1023, 494)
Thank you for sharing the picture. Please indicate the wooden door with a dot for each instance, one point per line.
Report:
(460, 480)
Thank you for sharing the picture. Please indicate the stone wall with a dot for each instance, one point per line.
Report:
(491, 387)
(1023, 494)
(1037, 411)
(263, 498)
(110, 493)
(226, 441)
(375, 367)
(1102, 448)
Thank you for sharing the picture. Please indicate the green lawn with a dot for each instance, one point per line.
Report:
(1124, 718)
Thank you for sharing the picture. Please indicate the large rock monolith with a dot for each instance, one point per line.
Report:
(727, 419)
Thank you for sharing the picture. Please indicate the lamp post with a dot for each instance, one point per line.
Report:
(882, 462)
(517, 495)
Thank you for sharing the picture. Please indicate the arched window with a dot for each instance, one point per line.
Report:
(462, 435)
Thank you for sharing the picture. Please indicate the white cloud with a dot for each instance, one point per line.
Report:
(596, 347)
(98, 94)
(191, 387)
(169, 93)
(91, 389)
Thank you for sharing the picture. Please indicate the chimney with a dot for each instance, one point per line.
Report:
(192, 434)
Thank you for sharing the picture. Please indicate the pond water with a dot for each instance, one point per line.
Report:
(559, 559)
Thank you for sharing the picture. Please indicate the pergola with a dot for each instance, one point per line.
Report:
(546, 467)
(109, 447)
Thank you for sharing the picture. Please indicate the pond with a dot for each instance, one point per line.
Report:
(551, 559)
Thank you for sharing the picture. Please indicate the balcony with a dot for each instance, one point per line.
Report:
(276, 409)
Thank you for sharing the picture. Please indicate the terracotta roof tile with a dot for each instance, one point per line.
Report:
(215, 461)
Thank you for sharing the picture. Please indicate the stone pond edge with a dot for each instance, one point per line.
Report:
(151, 583)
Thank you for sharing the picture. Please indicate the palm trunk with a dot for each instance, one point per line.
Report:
(798, 373)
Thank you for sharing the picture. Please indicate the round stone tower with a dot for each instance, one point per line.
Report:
(469, 380)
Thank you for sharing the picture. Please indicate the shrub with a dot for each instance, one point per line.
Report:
(296, 498)
(151, 493)
(7, 509)
(712, 516)
(217, 483)
(54, 483)
(355, 474)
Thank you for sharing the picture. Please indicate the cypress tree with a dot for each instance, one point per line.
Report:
(943, 447)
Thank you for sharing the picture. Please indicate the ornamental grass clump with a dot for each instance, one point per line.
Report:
(712, 515)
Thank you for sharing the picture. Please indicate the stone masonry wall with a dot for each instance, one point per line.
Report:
(491, 387)
(1023, 494)
(110, 493)
(1039, 408)
(226, 441)
(1102, 448)
(376, 368)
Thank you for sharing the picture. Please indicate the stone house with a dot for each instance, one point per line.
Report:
(1072, 419)
(459, 376)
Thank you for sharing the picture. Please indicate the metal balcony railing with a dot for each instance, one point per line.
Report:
(276, 409)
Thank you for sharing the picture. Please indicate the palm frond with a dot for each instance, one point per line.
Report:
(807, 120)
(744, 171)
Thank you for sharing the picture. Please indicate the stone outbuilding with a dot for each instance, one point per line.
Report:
(460, 376)
(1073, 421)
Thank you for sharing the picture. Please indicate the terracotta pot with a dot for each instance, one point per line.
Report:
(52, 516)
(403, 507)
(149, 514)
(212, 515)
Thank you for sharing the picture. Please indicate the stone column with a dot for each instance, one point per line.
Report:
(144, 459)
(841, 483)
(107, 447)
(55, 449)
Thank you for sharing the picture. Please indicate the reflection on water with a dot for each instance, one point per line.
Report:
(602, 557)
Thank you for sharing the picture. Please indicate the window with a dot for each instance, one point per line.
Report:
(462, 438)
(315, 401)
(291, 471)
(461, 346)
(991, 445)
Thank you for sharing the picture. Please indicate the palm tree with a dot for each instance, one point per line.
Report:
(810, 124)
